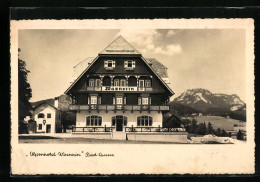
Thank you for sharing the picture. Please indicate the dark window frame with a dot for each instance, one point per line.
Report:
(94, 120)
(144, 120)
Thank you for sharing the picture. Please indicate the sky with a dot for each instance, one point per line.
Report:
(212, 59)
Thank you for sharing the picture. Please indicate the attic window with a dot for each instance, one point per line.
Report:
(129, 65)
(109, 64)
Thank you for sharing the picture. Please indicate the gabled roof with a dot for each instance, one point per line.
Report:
(47, 104)
(158, 67)
(115, 45)
(119, 46)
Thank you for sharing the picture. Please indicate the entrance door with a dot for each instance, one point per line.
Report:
(119, 124)
(48, 128)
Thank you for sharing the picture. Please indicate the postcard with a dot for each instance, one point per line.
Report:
(132, 96)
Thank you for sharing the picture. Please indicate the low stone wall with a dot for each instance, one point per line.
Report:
(93, 135)
(178, 137)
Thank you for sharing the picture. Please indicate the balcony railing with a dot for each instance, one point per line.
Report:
(120, 88)
(153, 129)
(127, 129)
(92, 129)
(118, 107)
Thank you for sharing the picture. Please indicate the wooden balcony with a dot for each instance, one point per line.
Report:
(97, 107)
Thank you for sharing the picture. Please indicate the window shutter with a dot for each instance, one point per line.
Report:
(125, 64)
(113, 64)
(133, 64)
(105, 64)
(88, 100)
(139, 100)
(124, 100)
(114, 100)
(99, 100)
(149, 101)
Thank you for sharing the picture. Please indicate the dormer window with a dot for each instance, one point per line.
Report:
(129, 65)
(109, 64)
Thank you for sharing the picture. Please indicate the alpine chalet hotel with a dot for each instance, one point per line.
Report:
(122, 95)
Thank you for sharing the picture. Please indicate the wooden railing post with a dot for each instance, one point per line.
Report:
(141, 129)
(83, 129)
(105, 128)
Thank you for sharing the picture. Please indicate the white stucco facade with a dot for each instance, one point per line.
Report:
(81, 116)
(48, 118)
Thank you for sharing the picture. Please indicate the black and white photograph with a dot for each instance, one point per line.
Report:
(111, 89)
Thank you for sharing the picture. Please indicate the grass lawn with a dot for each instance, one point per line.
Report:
(219, 122)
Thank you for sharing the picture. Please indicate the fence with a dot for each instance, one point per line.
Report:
(153, 129)
(92, 129)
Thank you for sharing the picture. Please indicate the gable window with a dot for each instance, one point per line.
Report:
(144, 121)
(40, 115)
(49, 115)
(109, 64)
(40, 127)
(94, 120)
(129, 65)
(147, 83)
(91, 83)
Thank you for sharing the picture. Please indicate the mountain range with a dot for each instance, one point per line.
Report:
(203, 101)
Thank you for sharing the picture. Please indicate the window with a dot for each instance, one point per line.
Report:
(49, 115)
(94, 121)
(145, 100)
(91, 83)
(144, 121)
(130, 65)
(98, 82)
(122, 82)
(40, 127)
(147, 83)
(141, 84)
(41, 115)
(93, 100)
(109, 64)
(119, 100)
(116, 82)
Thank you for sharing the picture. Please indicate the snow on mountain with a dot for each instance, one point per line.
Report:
(203, 99)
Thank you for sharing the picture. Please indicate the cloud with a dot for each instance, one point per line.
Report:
(170, 33)
(168, 50)
(146, 40)
(140, 37)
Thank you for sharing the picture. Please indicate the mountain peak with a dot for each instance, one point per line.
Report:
(202, 99)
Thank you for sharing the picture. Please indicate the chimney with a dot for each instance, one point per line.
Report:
(56, 102)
